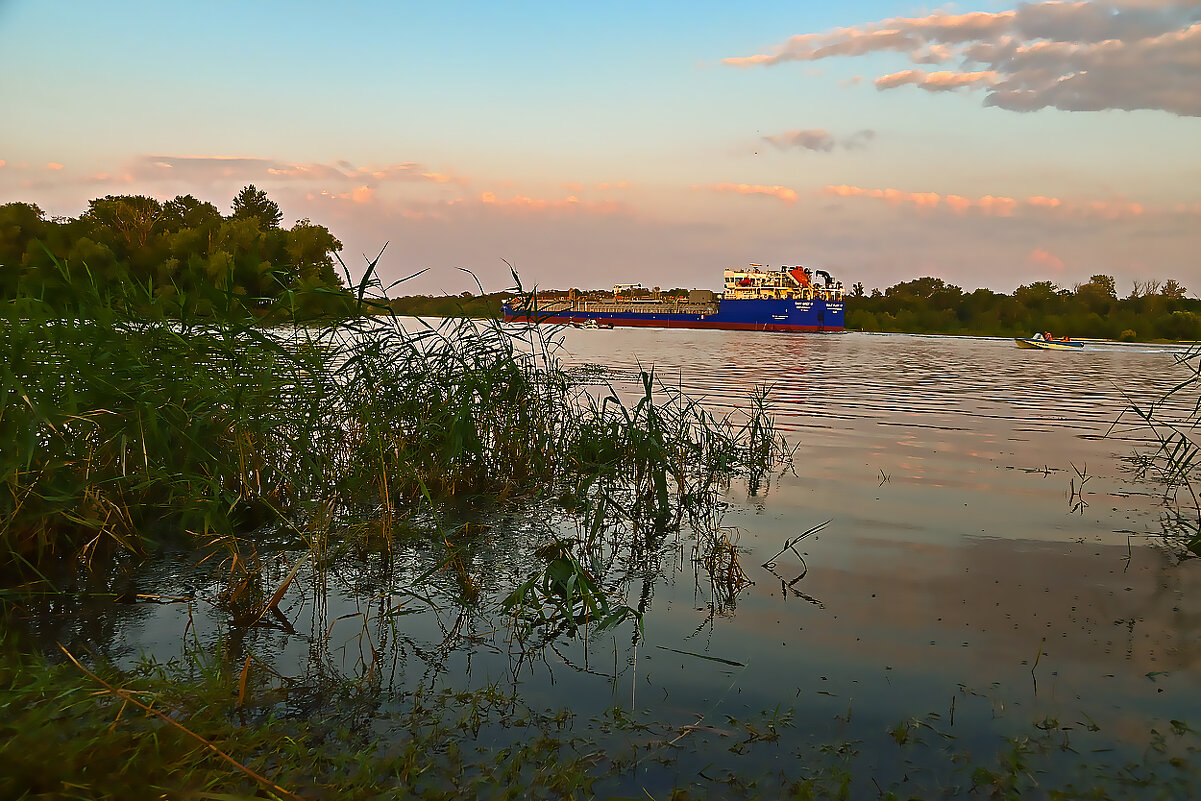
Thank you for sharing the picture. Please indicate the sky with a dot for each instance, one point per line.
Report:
(989, 144)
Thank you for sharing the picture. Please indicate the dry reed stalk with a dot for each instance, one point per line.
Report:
(128, 698)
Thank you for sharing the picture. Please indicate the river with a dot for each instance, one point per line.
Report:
(990, 545)
(992, 561)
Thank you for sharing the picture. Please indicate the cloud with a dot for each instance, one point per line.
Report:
(782, 192)
(210, 169)
(818, 140)
(936, 81)
(809, 140)
(525, 203)
(1040, 257)
(54, 165)
(1002, 206)
(859, 139)
(1073, 56)
(575, 187)
(360, 195)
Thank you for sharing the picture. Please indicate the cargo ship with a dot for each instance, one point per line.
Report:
(754, 299)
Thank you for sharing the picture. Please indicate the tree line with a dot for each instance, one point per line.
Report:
(182, 253)
(1153, 310)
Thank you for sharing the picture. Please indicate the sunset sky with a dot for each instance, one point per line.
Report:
(990, 144)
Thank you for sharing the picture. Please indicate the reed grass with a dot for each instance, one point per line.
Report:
(228, 423)
(1174, 460)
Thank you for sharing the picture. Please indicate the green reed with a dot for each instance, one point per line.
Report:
(1175, 461)
(227, 422)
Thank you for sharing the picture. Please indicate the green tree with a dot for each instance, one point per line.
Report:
(186, 211)
(310, 250)
(1099, 294)
(1038, 295)
(1172, 289)
(253, 203)
(926, 288)
(21, 225)
(127, 221)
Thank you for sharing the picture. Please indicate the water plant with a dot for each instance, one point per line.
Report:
(1172, 458)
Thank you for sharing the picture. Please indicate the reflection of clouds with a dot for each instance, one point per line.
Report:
(978, 615)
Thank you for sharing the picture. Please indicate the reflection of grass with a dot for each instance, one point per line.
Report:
(65, 735)
(1174, 461)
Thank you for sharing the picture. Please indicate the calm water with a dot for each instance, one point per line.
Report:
(957, 555)
(991, 560)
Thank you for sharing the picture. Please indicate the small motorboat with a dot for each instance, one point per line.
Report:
(1044, 341)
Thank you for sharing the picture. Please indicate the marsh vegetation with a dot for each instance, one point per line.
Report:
(376, 557)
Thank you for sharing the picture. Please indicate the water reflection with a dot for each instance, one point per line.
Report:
(988, 546)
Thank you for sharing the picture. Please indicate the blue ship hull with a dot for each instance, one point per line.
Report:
(759, 314)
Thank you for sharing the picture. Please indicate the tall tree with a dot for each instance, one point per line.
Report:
(1173, 289)
(186, 211)
(253, 203)
(129, 220)
(20, 223)
(309, 248)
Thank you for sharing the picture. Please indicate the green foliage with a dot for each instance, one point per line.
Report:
(253, 204)
(565, 594)
(476, 306)
(929, 305)
(191, 415)
(183, 247)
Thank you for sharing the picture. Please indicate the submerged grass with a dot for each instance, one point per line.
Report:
(199, 728)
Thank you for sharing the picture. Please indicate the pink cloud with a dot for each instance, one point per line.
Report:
(1045, 202)
(360, 195)
(1001, 206)
(1041, 257)
(53, 165)
(221, 168)
(782, 192)
(526, 203)
(521, 201)
(936, 81)
(958, 203)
